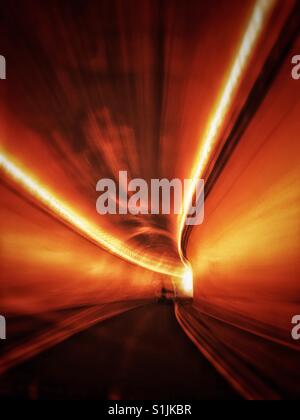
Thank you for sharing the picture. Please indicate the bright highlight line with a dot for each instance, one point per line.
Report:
(254, 29)
(65, 213)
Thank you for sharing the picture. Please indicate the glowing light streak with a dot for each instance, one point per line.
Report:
(64, 212)
(255, 26)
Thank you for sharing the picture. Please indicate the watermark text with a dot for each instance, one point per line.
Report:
(2, 328)
(296, 67)
(160, 196)
(2, 68)
(296, 328)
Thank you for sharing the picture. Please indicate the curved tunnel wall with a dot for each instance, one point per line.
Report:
(246, 255)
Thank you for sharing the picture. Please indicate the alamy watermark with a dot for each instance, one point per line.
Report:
(160, 196)
(2, 68)
(296, 328)
(296, 67)
(2, 328)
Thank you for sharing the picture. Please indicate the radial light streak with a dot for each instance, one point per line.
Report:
(261, 11)
(64, 212)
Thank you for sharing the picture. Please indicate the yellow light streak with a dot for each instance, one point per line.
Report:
(48, 199)
(261, 11)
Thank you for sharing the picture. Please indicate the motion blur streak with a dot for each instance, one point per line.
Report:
(64, 212)
(258, 18)
(246, 256)
(61, 329)
(61, 269)
(161, 89)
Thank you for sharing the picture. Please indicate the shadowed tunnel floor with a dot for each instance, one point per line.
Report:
(142, 354)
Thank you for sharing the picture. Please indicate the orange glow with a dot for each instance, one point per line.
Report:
(246, 256)
(64, 212)
(46, 266)
(162, 90)
(251, 36)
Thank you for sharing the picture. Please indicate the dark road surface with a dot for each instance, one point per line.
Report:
(142, 354)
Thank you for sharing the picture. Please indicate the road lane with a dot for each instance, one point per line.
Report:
(142, 354)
